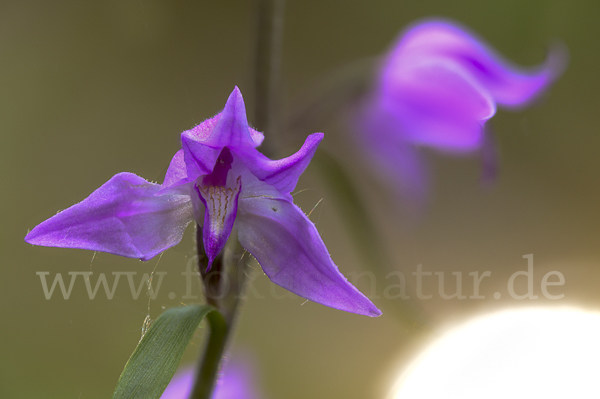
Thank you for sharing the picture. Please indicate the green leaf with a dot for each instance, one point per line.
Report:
(157, 356)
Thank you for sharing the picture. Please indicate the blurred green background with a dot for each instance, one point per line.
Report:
(90, 89)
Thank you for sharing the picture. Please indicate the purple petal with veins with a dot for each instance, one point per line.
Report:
(291, 252)
(125, 216)
(221, 204)
(283, 174)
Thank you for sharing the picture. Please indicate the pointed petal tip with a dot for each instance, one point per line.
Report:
(209, 263)
(30, 238)
(315, 138)
(235, 106)
(235, 97)
(38, 236)
(361, 305)
(35, 237)
(375, 312)
(365, 308)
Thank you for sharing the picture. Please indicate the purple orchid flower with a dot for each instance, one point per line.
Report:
(222, 182)
(236, 382)
(437, 87)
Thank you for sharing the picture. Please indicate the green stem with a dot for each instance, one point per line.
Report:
(222, 321)
(215, 349)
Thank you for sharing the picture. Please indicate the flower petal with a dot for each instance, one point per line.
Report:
(236, 381)
(199, 158)
(232, 129)
(291, 252)
(203, 144)
(395, 163)
(282, 174)
(176, 171)
(181, 385)
(257, 137)
(123, 217)
(229, 128)
(508, 84)
(436, 104)
(221, 205)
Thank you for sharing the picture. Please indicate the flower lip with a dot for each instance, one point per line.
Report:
(221, 205)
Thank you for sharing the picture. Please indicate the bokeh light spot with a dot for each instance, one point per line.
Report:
(526, 353)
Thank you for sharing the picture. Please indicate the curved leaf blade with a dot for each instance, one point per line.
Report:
(157, 356)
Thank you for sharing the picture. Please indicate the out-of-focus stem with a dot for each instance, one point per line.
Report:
(267, 69)
(369, 246)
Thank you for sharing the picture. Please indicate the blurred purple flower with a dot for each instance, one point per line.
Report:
(437, 87)
(236, 382)
(222, 182)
